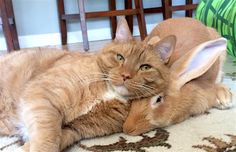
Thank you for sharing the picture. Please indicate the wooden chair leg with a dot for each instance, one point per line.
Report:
(170, 5)
(141, 19)
(62, 23)
(163, 9)
(83, 25)
(6, 26)
(189, 13)
(166, 7)
(113, 20)
(129, 18)
(11, 20)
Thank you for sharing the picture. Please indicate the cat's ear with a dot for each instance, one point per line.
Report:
(123, 33)
(164, 47)
(197, 61)
(154, 40)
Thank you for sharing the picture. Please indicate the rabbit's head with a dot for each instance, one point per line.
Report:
(143, 114)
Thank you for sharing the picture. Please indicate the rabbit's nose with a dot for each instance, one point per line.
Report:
(128, 128)
(128, 131)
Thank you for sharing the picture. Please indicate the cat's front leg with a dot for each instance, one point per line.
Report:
(43, 124)
(4, 128)
(24, 148)
(68, 137)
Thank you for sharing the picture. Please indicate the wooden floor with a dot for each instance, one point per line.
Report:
(94, 46)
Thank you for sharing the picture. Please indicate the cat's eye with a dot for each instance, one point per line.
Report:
(120, 57)
(145, 67)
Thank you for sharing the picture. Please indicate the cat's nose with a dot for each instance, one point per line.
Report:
(126, 76)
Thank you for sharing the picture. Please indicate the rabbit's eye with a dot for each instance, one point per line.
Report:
(159, 99)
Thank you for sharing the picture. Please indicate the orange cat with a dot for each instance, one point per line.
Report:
(46, 93)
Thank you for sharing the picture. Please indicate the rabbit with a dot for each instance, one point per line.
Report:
(194, 78)
(189, 33)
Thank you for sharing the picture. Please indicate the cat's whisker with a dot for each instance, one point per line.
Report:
(137, 91)
(146, 87)
(102, 77)
(143, 90)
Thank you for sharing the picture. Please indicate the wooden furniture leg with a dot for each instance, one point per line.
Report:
(189, 13)
(112, 13)
(169, 7)
(11, 19)
(83, 25)
(113, 19)
(8, 24)
(62, 23)
(167, 13)
(129, 18)
(141, 19)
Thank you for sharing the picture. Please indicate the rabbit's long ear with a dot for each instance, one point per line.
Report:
(164, 47)
(197, 61)
(123, 33)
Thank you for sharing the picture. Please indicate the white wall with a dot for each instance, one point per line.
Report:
(37, 21)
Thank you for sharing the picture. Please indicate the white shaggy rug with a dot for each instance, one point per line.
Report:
(214, 131)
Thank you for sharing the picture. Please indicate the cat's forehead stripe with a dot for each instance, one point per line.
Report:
(141, 54)
(136, 50)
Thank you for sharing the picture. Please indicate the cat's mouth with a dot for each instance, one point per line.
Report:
(122, 90)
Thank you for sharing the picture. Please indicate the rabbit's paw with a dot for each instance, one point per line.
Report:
(224, 97)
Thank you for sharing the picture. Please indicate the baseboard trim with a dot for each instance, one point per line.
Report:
(73, 37)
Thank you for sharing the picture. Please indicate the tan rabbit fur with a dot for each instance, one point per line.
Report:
(53, 98)
(104, 119)
(193, 86)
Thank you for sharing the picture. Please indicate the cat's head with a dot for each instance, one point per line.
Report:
(136, 69)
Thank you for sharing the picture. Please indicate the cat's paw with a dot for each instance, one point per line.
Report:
(24, 148)
(224, 97)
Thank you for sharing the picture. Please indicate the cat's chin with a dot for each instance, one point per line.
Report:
(121, 90)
